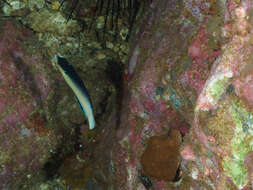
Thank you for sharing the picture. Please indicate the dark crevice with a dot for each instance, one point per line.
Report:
(57, 158)
(53, 164)
(114, 72)
(178, 175)
(145, 181)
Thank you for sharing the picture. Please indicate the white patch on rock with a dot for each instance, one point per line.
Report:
(195, 173)
(133, 60)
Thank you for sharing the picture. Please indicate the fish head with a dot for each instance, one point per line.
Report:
(65, 66)
(63, 63)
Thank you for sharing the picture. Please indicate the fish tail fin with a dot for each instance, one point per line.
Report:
(90, 117)
(92, 123)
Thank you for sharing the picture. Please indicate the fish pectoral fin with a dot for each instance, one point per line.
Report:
(81, 106)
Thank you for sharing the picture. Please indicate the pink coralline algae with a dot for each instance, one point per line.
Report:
(187, 153)
(24, 88)
(248, 162)
(199, 51)
(244, 89)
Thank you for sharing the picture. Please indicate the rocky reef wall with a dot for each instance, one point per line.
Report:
(179, 116)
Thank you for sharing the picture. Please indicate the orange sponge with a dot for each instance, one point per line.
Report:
(161, 158)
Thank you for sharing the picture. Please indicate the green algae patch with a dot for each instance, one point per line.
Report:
(241, 145)
(236, 171)
(218, 85)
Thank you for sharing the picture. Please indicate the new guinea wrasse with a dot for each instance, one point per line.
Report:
(77, 85)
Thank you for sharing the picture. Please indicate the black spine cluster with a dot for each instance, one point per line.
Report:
(112, 11)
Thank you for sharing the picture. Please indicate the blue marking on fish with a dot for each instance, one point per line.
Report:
(78, 87)
(81, 107)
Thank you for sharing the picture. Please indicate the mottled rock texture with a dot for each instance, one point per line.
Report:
(25, 88)
(190, 70)
(40, 119)
(191, 67)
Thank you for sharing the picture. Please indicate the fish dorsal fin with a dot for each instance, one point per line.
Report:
(81, 107)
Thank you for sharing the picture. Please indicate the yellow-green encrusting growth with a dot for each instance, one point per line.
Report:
(241, 145)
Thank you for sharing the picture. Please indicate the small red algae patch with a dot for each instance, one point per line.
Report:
(161, 158)
(199, 50)
(187, 153)
(37, 123)
(244, 89)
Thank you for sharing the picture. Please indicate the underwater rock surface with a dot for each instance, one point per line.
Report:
(190, 71)
(52, 22)
(25, 87)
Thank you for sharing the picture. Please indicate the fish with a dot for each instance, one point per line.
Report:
(76, 84)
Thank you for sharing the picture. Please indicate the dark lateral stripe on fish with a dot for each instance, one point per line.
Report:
(69, 70)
